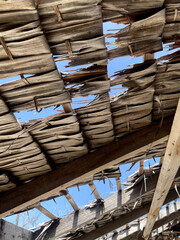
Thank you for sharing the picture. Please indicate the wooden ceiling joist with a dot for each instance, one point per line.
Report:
(168, 172)
(71, 173)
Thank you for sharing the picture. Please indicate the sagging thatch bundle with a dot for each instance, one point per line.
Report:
(96, 122)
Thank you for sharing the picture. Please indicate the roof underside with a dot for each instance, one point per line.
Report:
(133, 126)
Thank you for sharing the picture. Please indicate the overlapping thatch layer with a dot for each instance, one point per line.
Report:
(74, 30)
(24, 51)
(96, 122)
(59, 136)
(73, 27)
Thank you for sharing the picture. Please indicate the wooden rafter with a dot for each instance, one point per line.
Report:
(94, 190)
(45, 211)
(168, 172)
(73, 172)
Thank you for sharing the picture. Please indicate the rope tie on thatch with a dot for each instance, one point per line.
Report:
(37, 2)
(36, 104)
(175, 14)
(24, 79)
(130, 49)
(69, 48)
(130, 21)
(58, 13)
(6, 49)
(127, 119)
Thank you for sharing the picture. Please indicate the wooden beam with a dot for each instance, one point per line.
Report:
(74, 221)
(135, 229)
(9, 231)
(45, 211)
(118, 184)
(94, 190)
(168, 172)
(83, 167)
(141, 167)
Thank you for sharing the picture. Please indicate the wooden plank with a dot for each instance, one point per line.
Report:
(136, 228)
(112, 205)
(10, 231)
(83, 167)
(168, 172)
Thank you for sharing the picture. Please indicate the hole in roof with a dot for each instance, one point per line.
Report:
(81, 101)
(25, 116)
(59, 207)
(166, 50)
(129, 168)
(11, 79)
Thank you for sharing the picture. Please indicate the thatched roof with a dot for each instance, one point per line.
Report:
(34, 37)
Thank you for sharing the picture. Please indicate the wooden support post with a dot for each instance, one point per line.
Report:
(45, 211)
(141, 167)
(118, 184)
(94, 190)
(168, 172)
(70, 200)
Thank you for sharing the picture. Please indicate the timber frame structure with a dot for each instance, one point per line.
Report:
(40, 159)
